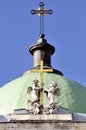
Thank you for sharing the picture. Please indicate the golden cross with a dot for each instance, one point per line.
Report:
(41, 70)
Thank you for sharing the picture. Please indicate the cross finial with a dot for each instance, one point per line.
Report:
(41, 11)
(41, 71)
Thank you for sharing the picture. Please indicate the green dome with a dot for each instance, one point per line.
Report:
(14, 94)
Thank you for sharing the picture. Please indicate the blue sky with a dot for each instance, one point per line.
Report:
(65, 30)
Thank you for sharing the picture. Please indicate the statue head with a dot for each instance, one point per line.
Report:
(35, 81)
(53, 84)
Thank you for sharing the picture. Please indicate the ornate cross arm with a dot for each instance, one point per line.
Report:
(41, 12)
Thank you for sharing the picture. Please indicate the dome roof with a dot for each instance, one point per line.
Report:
(14, 94)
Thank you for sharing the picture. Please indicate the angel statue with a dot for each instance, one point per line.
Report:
(53, 107)
(52, 92)
(36, 89)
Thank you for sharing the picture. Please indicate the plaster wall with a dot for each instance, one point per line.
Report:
(42, 126)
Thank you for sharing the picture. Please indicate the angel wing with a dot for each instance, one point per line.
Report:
(29, 90)
(57, 92)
